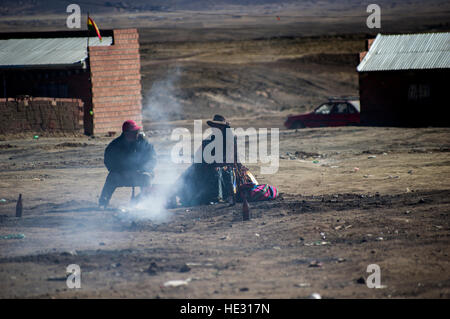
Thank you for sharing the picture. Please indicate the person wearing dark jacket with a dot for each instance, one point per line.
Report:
(130, 160)
(203, 182)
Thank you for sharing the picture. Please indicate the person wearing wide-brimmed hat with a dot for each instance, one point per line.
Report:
(204, 182)
(218, 121)
(222, 124)
(130, 160)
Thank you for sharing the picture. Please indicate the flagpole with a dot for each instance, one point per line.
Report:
(87, 45)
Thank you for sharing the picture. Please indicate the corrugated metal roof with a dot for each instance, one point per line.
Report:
(408, 52)
(35, 52)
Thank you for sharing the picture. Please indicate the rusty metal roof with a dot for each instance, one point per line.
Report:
(408, 52)
(46, 51)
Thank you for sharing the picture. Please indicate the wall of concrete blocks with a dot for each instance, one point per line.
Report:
(41, 114)
(116, 82)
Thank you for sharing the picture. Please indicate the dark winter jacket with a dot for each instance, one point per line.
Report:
(210, 139)
(121, 155)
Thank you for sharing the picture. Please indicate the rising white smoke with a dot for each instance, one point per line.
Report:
(161, 106)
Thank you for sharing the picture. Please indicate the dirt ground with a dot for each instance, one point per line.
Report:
(329, 224)
(240, 78)
(350, 196)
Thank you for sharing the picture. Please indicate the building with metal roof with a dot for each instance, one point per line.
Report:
(407, 52)
(105, 74)
(16, 53)
(403, 79)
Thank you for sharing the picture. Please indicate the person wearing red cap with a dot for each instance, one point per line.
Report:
(130, 160)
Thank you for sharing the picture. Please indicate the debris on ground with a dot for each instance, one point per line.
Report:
(176, 283)
(315, 264)
(318, 243)
(315, 296)
(185, 268)
(302, 285)
(69, 253)
(152, 269)
(13, 236)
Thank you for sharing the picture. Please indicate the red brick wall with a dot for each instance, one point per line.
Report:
(41, 114)
(20, 82)
(369, 43)
(362, 55)
(116, 82)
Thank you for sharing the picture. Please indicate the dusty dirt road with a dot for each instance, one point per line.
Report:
(351, 197)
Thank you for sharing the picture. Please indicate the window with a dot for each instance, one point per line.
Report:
(340, 108)
(418, 92)
(324, 109)
(351, 109)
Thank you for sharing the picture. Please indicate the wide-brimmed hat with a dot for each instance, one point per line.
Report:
(218, 121)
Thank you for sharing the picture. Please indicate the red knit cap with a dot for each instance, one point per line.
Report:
(129, 126)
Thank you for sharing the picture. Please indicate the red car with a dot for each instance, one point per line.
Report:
(335, 112)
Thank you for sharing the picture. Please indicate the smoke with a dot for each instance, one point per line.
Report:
(161, 103)
(161, 106)
(153, 206)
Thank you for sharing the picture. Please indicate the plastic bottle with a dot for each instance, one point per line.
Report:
(19, 206)
(245, 209)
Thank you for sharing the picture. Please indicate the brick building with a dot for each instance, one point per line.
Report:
(403, 80)
(104, 75)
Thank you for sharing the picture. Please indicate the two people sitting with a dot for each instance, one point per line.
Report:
(131, 159)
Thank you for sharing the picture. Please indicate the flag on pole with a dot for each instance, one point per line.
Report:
(92, 26)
